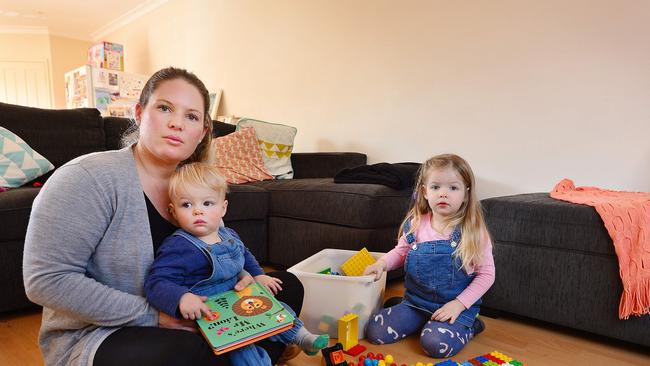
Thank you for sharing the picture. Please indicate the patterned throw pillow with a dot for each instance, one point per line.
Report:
(276, 144)
(19, 164)
(238, 157)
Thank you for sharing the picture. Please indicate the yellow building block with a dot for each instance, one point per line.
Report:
(348, 331)
(357, 263)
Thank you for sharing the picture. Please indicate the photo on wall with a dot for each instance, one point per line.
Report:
(215, 99)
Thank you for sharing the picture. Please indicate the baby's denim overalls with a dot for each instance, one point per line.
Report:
(433, 278)
(227, 260)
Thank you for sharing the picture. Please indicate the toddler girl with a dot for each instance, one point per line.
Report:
(447, 253)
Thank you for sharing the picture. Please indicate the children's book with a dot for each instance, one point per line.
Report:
(244, 317)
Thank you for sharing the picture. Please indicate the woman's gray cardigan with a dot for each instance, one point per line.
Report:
(87, 252)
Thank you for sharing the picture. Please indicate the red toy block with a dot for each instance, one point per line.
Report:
(355, 350)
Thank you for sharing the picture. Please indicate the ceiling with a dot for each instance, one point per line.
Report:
(86, 20)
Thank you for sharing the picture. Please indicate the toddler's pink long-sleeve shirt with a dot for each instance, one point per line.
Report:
(484, 271)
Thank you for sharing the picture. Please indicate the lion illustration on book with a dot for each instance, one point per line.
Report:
(251, 305)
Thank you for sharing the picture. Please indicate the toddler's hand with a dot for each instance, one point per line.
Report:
(376, 268)
(449, 311)
(271, 283)
(244, 282)
(191, 306)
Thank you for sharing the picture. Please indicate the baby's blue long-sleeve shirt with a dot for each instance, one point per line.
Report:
(177, 267)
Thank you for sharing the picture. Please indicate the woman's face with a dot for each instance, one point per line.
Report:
(171, 124)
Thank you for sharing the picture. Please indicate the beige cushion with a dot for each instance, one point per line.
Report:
(276, 145)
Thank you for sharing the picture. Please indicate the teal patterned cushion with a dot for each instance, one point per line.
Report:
(19, 163)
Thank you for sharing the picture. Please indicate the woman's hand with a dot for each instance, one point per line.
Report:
(191, 306)
(244, 282)
(271, 283)
(449, 311)
(376, 268)
(166, 321)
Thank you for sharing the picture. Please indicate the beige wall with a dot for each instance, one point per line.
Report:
(29, 48)
(528, 92)
(60, 54)
(67, 54)
(24, 47)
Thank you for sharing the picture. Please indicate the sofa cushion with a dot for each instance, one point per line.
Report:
(114, 128)
(246, 202)
(19, 163)
(15, 207)
(364, 206)
(324, 164)
(58, 135)
(536, 219)
(292, 240)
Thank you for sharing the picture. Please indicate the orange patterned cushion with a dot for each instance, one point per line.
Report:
(238, 157)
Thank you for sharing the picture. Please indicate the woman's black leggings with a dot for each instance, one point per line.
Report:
(145, 346)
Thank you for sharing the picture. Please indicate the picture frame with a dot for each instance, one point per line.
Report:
(215, 99)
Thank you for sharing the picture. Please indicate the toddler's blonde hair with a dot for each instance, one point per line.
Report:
(197, 174)
(469, 215)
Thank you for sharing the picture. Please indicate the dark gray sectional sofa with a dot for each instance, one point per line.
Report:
(555, 262)
(282, 222)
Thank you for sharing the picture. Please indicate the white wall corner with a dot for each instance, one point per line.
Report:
(134, 14)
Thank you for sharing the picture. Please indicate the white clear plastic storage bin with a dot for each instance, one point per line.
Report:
(329, 297)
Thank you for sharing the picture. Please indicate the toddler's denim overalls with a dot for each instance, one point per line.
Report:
(434, 276)
(227, 260)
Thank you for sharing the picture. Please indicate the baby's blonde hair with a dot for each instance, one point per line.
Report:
(469, 215)
(197, 174)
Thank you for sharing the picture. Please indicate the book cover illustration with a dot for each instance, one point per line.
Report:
(244, 317)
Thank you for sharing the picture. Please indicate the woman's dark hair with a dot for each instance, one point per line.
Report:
(171, 73)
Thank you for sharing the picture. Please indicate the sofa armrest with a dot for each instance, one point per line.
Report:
(324, 164)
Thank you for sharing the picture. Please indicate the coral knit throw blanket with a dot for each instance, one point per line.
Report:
(627, 218)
